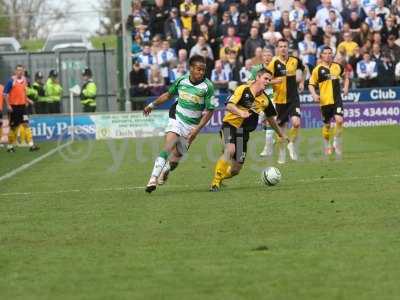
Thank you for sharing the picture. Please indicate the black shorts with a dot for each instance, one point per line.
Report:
(286, 111)
(237, 136)
(330, 110)
(18, 115)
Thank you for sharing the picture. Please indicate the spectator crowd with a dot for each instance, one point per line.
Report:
(233, 36)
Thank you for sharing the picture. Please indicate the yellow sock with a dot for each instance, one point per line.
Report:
(337, 131)
(21, 131)
(293, 133)
(28, 135)
(12, 136)
(222, 171)
(326, 132)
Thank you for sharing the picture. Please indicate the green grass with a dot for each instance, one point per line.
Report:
(78, 225)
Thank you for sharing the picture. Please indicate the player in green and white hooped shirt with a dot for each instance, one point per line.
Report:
(191, 112)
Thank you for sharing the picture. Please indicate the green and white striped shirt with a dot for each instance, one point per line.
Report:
(193, 99)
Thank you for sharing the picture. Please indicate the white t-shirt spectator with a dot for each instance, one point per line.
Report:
(165, 57)
(322, 16)
(274, 15)
(374, 24)
(367, 70)
(308, 50)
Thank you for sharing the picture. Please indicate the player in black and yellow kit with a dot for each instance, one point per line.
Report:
(287, 101)
(241, 118)
(326, 77)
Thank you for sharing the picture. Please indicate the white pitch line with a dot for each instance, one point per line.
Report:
(130, 188)
(33, 162)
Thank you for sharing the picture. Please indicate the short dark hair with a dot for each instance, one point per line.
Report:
(19, 66)
(262, 71)
(196, 59)
(282, 41)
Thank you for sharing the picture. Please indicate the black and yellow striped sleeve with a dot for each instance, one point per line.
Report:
(314, 77)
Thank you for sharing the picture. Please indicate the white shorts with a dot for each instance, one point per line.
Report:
(182, 130)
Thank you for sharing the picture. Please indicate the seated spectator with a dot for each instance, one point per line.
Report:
(271, 14)
(247, 7)
(374, 22)
(232, 63)
(283, 22)
(258, 57)
(386, 76)
(210, 37)
(156, 43)
(334, 36)
(220, 77)
(253, 41)
(231, 35)
(136, 48)
(354, 22)
(224, 25)
(367, 72)
(381, 11)
(173, 27)
(138, 81)
(166, 57)
(353, 61)
(353, 7)
(156, 81)
(209, 61)
(261, 7)
(347, 47)
(245, 72)
(234, 14)
(364, 35)
(185, 41)
(146, 59)
(231, 46)
(296, 34)
(298, 13)
(271, 35)
(308, 50)
(322, 15)
(390, 28)
(199, 20)
(244, 27)
(334, 21)
(376, 53)
(177, 72)
(391, 49)
(368, 5)
(316, 34)
(395, 10)
(144, 33)
(158, 15)
(188, 10)
(183, 59)
(201, 43)
(139, 16)
(287, 35)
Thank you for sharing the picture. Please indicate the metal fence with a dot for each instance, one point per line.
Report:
(70, 66)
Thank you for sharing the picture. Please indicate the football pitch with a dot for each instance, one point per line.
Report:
(78, 224)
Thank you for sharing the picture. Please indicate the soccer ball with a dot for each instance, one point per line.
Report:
(271, 176)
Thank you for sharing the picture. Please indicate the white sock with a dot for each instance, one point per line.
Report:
(269, 138)
(158, 167)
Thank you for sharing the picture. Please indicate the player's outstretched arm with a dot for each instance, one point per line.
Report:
(160, 100)
(346, 84)
(204, 120)
(276, 128)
